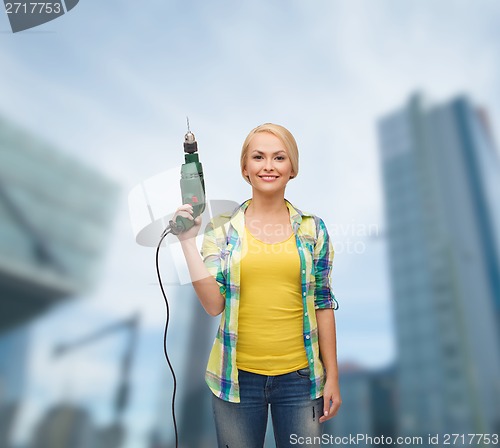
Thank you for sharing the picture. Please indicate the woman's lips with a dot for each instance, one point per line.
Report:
(268, 178)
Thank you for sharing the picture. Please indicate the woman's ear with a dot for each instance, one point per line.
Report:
(245, 174)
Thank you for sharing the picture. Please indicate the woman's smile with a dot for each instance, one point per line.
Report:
(268, 178)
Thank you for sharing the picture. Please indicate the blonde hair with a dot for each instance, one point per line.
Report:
(285, 137)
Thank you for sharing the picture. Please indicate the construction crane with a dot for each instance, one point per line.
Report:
(112, 436)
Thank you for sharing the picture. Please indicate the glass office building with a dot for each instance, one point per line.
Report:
(368, 406)
(55, 215)
(441, 176)
(55, 218)
(13, 363)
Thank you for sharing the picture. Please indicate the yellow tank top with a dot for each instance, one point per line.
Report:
(270, 319)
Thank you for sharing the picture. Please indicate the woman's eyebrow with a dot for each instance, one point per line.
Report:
(277, 152)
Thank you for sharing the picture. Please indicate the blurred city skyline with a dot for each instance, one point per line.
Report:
(111, 85)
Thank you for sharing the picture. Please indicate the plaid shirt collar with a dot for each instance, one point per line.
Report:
(237, 219)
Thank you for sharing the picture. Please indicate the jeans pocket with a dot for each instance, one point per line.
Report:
(303, 373)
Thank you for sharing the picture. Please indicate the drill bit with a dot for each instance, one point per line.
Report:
(189, 140)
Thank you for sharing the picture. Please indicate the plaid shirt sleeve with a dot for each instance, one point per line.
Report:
(213, 256)
(323, 261)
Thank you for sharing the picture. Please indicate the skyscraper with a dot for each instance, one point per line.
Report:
(13, 362)
(55, 218)
(441, 176)
(367, 409)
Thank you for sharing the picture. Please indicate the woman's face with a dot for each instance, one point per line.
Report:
(268, 165)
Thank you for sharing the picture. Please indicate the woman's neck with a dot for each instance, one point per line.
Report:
(267, 206)
(268, 220)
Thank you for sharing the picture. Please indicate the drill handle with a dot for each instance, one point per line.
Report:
(193, 192)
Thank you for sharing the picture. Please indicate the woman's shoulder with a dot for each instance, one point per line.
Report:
(223, 217)
(304, 215)
(312, 223)
(219, 221)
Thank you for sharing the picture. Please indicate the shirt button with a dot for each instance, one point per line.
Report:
(303, 271)
(307, 337)
(305, 294)
(305, 314)
(312, 360)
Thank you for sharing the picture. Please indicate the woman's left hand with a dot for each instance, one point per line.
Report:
(332, 400)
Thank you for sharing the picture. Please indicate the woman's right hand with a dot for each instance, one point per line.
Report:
(186, 211)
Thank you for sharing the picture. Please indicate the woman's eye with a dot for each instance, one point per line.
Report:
(277, 157)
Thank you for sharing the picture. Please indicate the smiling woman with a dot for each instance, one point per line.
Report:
(266, 267)
(267, 165)
(262, 137)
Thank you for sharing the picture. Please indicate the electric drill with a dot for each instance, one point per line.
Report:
(192, 184)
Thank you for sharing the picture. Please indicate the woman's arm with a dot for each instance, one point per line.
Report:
(328, 350)
(206, 287)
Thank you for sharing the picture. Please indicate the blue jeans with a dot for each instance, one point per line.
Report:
(294, 414)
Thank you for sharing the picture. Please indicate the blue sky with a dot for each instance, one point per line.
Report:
(111, 83)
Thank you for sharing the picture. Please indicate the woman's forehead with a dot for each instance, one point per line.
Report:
(266, 142)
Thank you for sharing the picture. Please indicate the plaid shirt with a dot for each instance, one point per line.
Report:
(221, 252)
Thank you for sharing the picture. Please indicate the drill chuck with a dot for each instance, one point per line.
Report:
(192, 184)
(190, 145)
